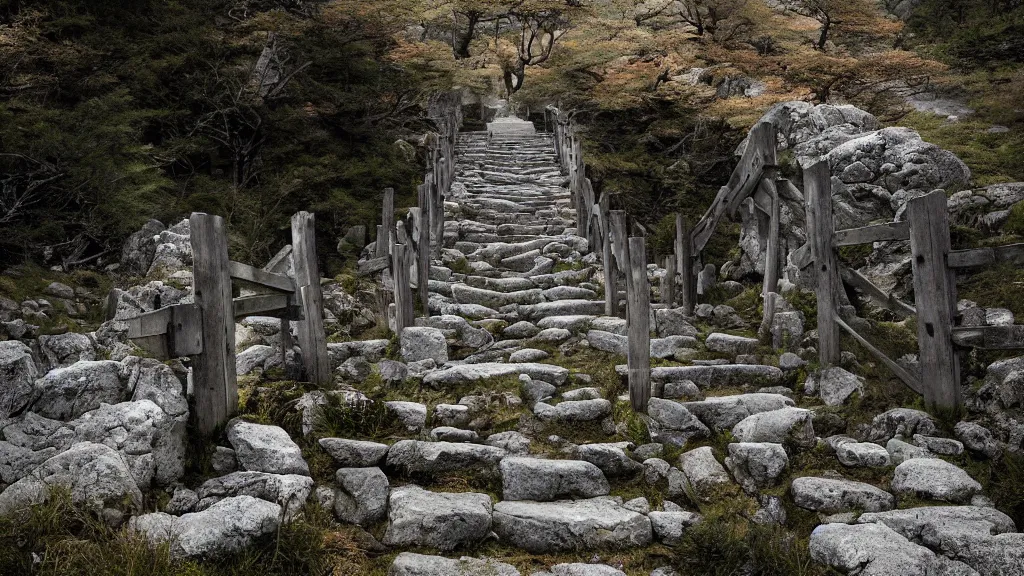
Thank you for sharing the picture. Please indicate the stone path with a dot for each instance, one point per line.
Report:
(528, 439)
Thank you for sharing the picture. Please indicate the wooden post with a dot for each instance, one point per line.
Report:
(771, 263)
(611, 285)
(382, 242)
(312, 338)
(216, 390)
(620, 252)
(820, 227)
(638, 297)
(668, 283)
(387, 213)
(423, 249)
(684, 263)
(403, 292)
(935, 296)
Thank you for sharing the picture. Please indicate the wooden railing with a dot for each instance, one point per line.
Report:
(409, 243)
(205, 330)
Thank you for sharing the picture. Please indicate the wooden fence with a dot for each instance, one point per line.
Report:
(205, 330)
(408, 245)
(756, 177)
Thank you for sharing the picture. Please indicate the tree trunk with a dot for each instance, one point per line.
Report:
(825, 25)
(461, 46)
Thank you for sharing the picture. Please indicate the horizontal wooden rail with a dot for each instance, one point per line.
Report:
(990, 337)
(892, 303)
(912, 382)
(1011, 253)
(169, 332)
(276, 305)
(871, 234)
(266, 279)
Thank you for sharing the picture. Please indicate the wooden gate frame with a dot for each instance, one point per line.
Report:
(205, 330)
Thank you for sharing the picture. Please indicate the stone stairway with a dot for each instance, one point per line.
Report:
(513, 438)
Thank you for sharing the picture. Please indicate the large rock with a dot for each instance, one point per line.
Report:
(731, 345)
(715, 376)
(290, 491)
(778, 426)
(833, 495)
(362, 495)
(431, 458)
(60, 350)
(671, 423)
(263, 448)
(610, 458)
(863, 454)
(435, 519)
(69, 392)
(149, 441)
(956, 531)
(877, 550)
(138, 250)
(410, 564)
(547, 480)
(420, 343)
(670, 526)
(596, 523)
(756, 465)
(724, 412)
(228, 527)
(902, 421)
(704, 474)
(934, 479)
(474, 372)
(94, 474)
(573, 410)
(354, 453)
(834, 385)
(17, 377)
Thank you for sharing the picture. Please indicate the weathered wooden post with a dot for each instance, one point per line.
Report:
(935, 299)
(216, 390)
(638, 297)
(619, 249)
(611, 284)
(668, 282)
(423, 249)
(312, 338)
(403, 293)
(771, 263)
(820, 229)
(684, 264)
(387, 223)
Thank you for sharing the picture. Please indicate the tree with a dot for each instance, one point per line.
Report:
(709, 16)
(845, 16)
(540, 24)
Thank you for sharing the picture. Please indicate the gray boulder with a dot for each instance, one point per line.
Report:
(69, 392)
(731, 345)
(263, 448)
(419, 343)
(934, 479)
(60, 350)
(290, 491)
(410, 564)
(431, 458)
(595, 523)
(139, 248)
(412, 414)
(877, 550)
(610, 458)
(17, 377)
(546, 480)
(756, 465)
(671, 423)
(94, 474)
(362, 495)
(724, 412)
(228, 527)
(670, 526)
(354, 453)
(436, 520)
(902, 421)
(704, 474)
(834, 385)
(464, 373)
(863, 454)
(573, 410)
(978, 439)
(778, 426)
(834, 496)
